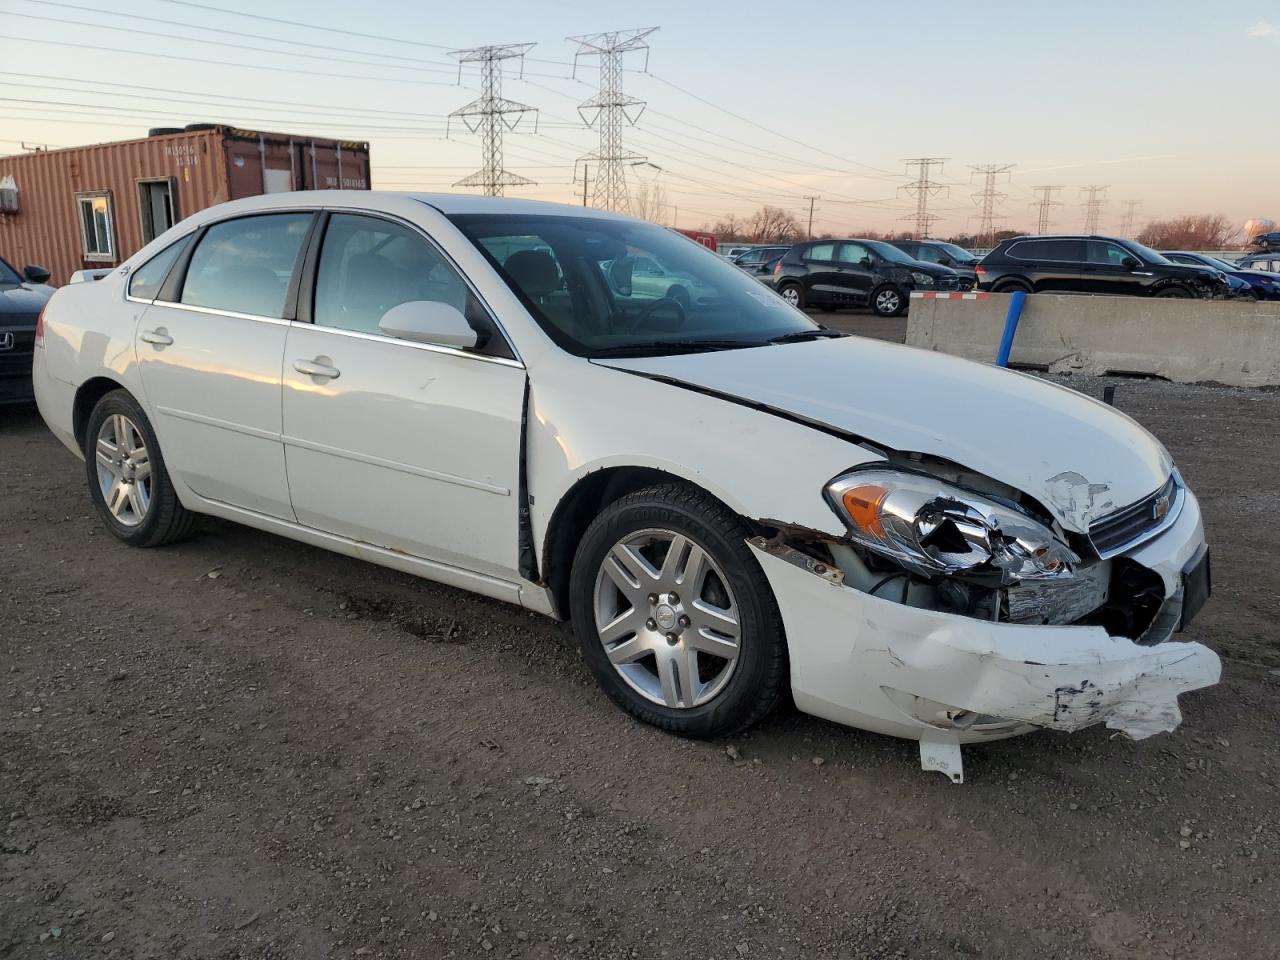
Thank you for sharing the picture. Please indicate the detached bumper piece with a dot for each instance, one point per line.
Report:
(945, 680)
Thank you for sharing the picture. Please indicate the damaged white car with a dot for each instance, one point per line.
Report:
(726, 498)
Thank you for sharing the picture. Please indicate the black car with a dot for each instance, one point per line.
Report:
(1252, 284)
(943, 254)
(22, 297)
(855, 273)
(1093, 264)
(1266, 241)
(759, 260)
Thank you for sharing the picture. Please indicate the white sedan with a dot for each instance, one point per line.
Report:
(730, 502)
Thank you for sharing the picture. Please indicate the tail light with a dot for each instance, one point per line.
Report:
(979, 271)
(777, 269)
(40, 326)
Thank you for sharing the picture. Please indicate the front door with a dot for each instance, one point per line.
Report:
(822, 274)
(403, 445)
(209, 356)
(1105, 270)
(855, 271)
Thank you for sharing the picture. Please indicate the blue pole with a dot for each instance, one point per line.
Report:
(1010, 327)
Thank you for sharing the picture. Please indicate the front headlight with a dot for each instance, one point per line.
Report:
(932, 527)
(922, 278)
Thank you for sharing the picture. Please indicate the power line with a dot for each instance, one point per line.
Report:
(611, 108)
(987, 198)
(1044, 204)
(922, 189)
(1093, 206)
(489, 115)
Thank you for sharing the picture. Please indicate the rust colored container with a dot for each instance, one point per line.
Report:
(95, 206)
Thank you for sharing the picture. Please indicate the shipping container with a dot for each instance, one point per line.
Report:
(95, 206)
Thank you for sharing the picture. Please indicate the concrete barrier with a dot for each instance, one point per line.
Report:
(1189, 341)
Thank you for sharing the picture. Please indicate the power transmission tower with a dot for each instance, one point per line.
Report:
(922, 189)
(812, 201)
(613, 110)
(1130, 214)
(987, 198)
(490, 113)
(1093, 206)
(1045, 203)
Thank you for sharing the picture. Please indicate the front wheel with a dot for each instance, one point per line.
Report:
(1174, 293)
(887, 301)
(127, 478)
(674, 616)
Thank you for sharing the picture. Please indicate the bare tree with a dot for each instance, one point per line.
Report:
(649, 202)
(731, 228)
(1204, 231)
(773, 225)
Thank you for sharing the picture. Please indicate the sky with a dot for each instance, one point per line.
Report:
(1170, 104)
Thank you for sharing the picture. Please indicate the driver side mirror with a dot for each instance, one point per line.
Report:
(620, 275)
(35, 274)
(428, 321)
(1130, 263)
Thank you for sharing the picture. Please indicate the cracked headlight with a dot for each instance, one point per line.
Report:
(932, 527)
(922, 278)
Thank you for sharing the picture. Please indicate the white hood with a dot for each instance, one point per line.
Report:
(1077, 456)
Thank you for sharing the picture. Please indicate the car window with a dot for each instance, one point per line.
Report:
(7, 273)
(147, 280)
(1103, 252)
(928, 255)
(853, 253)
(244, 265)
(369, 265)
(821, 251)
(1062, 251)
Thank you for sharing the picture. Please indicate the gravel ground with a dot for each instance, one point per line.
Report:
(245, 747)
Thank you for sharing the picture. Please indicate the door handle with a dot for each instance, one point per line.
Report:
(319, 367)
(158, 337)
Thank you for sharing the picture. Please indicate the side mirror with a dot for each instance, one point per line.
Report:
(620, 275)
(35, 274)
(1131, 263)
(428, 321)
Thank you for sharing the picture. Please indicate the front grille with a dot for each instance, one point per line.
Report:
(948, 283)
(965, 283)
(1130, 524)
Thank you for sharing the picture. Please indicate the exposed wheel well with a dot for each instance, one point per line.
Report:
(87, 397)
(1008, 286)
(574, 514)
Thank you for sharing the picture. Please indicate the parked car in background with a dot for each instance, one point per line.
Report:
(1266, 262)
(760, 260)
(943, 254)
(828, 274)
(22, 297)
(469, 389)
(1266, 241)
(1093, 264)
(1246, 284)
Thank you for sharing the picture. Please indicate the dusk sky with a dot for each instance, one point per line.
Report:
(1172, 104)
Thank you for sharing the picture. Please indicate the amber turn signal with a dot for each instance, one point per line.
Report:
(862, 503)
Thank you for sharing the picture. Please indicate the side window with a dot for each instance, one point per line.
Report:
(369, 265)
(147, 280)
(1102, 252)
(1027, 250)
(927, 254)
(852, 253)
(821, 251)
(244, 265)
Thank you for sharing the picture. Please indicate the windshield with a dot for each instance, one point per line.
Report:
(1220, 264)
(1146, 253)
(7, 273)
(957, 253)
(888, 251)
(603, 287)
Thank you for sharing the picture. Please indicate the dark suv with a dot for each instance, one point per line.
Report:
(1093, 264)
(943, 254)
(846, 273)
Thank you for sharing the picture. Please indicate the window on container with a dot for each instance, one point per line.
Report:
(245, 265)
(97, 226)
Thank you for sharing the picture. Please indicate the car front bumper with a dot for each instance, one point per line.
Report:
(945, 679)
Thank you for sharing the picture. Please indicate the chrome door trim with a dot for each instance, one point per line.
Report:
(396, 465)
(214, 312)
(429, 347)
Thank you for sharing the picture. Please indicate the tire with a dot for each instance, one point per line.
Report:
(887, 301)
(625, 545)
(1011, 286)
(1172, 293)
(147, 512)
(793, 293)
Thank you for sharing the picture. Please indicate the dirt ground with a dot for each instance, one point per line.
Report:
(241, 747)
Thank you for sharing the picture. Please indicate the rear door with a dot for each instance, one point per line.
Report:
(407, 446)
(209, 352)
(1053, 266)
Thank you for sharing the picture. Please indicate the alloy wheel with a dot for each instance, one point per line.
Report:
(667, 618)
(888, 301)
(792, 296)
(124, 470)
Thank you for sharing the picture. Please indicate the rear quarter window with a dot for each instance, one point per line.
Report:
(147, 280)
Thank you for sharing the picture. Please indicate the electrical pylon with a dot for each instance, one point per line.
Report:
(922, 189)
(987, 198)
(491, 113)
(1045, 203)
(1130, 214)
(1093, 206)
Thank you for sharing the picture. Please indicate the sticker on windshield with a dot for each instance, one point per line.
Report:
(768, 299)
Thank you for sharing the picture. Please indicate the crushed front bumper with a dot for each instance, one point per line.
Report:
(945, 680)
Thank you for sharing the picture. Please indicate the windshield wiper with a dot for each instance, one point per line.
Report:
(797, 335)
(659, 347)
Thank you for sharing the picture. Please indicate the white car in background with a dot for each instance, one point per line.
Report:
(730, 502)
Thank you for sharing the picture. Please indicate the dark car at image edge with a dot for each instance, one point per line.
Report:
(829, 274)
(1093, 265)
(22, 297)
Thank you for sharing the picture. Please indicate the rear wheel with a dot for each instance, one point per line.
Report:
(793, 294)
(1174, 293)
(674, 616)
(128, 482)
(887, 301)
(1011, 286)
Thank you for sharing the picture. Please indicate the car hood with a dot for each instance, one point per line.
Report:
(1079, 457)
(21, 301)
